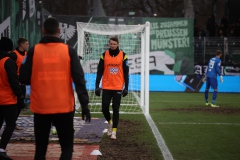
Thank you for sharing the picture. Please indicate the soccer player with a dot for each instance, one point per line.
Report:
(18, 55)
(213, 70)
(10, 94)
(113, 67)
(50, 68)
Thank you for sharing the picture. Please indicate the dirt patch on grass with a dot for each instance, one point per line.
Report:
(220, 110)
(127, 146)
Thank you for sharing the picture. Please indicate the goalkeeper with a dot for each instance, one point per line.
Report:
(213, 70)
(113, 69)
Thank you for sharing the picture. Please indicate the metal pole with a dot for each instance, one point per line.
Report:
(143, 43)
(147, 48)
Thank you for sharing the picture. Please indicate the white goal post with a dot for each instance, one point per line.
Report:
(134, 40)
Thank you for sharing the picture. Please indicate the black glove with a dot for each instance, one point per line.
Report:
(124, 92)
(98, 92)
(20, 103)
(86, 112)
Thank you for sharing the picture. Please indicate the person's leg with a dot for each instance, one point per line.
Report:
(215, 92)
(207, 90)
(1, 117)
(115, 106)
(64, 126)
(214, 85)
(9, 113)
(42, 125)
(19, 108)
(117, 95)
(106, 100)
(18, 113)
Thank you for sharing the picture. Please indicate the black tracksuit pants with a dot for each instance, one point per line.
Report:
(23, 89)
(8, 113)
(115, 97)
(64, 126)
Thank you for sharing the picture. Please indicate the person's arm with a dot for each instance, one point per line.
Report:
(78, 78)
(207, 68)
(126, 71)
(218, 68)
(26, 68)
(13, 56)
(100, 70)
(11, 69)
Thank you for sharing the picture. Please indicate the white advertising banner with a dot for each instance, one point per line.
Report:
(158, 61)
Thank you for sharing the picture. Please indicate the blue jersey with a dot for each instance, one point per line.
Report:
(213, 69)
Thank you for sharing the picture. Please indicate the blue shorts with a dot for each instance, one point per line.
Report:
(211, 82)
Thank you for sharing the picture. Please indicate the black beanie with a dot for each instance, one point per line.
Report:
(6, 44)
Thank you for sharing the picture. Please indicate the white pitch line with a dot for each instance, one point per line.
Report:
(181, 101)
(174, 101)
(185, 123)
(160, 141)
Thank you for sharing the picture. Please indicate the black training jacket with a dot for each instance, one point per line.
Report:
(11, 69)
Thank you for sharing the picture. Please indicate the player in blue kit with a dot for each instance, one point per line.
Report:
(213, 71)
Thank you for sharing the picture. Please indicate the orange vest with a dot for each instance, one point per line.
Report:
(19, 60)
(51, 83)
(113, 77)
(7, 95)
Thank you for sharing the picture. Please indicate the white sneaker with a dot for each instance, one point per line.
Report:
(114, 135)
(109, 130)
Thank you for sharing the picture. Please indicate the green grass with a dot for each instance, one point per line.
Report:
(193, 131)
(190, 129)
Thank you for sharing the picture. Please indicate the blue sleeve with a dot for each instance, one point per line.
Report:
(207, 70)
(218, 68)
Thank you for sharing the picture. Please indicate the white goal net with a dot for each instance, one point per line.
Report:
(93, 41)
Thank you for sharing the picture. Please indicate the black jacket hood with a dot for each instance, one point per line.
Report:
(4, 54)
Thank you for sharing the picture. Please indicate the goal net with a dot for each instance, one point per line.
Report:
(93, 41)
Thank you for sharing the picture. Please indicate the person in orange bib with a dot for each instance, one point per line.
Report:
(18, 55)
(50, 67)
(10, 94)
(113, 69)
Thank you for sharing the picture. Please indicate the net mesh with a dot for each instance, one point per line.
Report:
(93, 41)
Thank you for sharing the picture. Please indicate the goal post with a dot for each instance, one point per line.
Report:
(134, 40)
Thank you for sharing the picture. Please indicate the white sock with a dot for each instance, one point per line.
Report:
(2, 150)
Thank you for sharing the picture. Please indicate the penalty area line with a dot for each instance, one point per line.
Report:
(160, 141)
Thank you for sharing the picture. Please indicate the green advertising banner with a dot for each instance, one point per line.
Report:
(20, 18)
(171, 45)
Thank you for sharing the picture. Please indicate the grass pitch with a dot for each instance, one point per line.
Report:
(192, 130)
